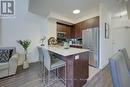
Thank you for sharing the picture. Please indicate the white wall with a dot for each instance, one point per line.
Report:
(120, 34)
(128, 8)
(119, 37)
(105, 44)
(0, 32)
(52, 28)
(24, 26)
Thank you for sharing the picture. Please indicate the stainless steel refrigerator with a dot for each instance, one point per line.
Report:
(90, 40)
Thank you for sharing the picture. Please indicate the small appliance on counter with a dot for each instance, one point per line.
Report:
(61, 37)
(61, 34)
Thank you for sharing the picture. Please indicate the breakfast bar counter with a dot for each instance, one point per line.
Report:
(76, 65)
(66, 52)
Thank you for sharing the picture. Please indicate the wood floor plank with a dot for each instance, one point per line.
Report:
(32, 78)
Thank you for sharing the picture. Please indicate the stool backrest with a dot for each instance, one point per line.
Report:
(41, 56)
(124, 51)
(47, 58)
(119, 71)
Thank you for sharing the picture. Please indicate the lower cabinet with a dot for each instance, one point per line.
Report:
(81, 70)
(77, 70)
(76, 46)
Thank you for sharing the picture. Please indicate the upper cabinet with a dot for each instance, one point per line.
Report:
(89, 23)
(61, 28)
(66, 29)
(93, 22)
(75, 31)
(72, 32)
(78, 30)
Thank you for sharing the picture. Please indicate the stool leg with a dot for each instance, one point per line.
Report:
(44, 76)
(49, 76)
(56, 71)
(65, 75)
(42, 73)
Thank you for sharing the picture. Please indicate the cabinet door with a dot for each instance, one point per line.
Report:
(75, 46)
(64, 28)
(78, 31)
(77, 72)
(84, 25)
(85, 67)
(68, 29)
(61, 28)
(72, 32)
(93, 22)
(81, 69)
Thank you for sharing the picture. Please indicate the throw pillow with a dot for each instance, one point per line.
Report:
(4, 55)
(10, 53)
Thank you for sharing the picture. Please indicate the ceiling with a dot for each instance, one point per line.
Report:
(63, 9)
(66, 7)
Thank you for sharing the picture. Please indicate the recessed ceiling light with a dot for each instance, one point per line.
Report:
(76, 11)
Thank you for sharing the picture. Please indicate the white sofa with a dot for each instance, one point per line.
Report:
(9, 68)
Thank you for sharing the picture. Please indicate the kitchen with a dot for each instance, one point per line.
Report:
(73, 46)
(76, 37)
(66, 28)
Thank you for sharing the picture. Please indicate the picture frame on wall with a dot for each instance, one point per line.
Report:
(107, 31)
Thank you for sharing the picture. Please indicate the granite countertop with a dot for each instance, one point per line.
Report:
(66, 52)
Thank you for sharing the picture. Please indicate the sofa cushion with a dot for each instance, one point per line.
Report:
(5, 55)
(4, 66)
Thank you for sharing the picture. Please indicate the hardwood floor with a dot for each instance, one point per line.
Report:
(32, 78)
(101, 79)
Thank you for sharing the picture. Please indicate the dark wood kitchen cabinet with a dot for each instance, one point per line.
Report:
(78, 31)
(64, 29)
(72, 32)
(68, 30)
(89, 23)
(77, 70)
(61, 28)
(76, 46)
(80, 73)
(93, 22)
(84, 25)
(75, 31)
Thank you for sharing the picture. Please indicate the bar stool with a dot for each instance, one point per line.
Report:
(52, 63)
(41, 58)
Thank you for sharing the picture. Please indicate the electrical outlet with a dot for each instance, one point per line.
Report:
(76, 57)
